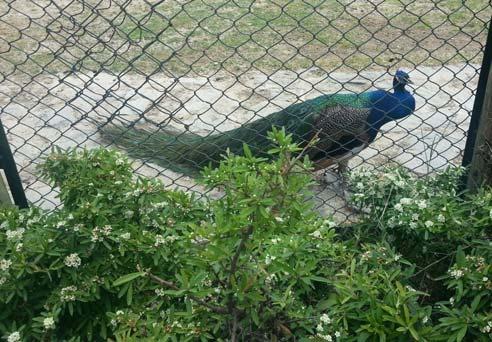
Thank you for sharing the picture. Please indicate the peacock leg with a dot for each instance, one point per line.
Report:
(342, 170)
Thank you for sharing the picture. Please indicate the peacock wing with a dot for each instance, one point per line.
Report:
(339, 129)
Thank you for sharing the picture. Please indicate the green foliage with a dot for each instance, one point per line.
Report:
(125, 259)
(444, 234)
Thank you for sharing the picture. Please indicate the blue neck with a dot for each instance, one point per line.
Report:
(387, 107)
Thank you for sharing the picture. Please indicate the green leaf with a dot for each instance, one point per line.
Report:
(461, 334)
(129, 295)
(319, 279)
(247, 151)
(460, 256)
(255, 318)
(362, 337)
(127, 278)
(475, 302)
(414, 333)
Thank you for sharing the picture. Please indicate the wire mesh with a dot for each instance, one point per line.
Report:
(70, 67)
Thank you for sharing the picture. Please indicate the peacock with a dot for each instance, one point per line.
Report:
(344, 124)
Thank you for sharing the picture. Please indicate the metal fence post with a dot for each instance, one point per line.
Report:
(476, 155)
(7, 163)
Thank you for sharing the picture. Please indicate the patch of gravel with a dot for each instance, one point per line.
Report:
(65, 110)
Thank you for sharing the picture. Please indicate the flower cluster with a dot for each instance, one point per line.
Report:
(163, 240)
(324, 326)
(405, 202)
(487, 328)
(15, 234)
(457, 273)
(49, 323)
(5, 264)
(14, 337)
(72, 260)
(67, 294)
(98, 234)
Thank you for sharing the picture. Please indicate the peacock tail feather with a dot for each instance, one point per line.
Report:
(188, 153)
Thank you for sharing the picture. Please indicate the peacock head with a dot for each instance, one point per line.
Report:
(389, 106)
(401, 79)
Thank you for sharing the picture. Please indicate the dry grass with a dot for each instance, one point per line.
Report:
(204, 37)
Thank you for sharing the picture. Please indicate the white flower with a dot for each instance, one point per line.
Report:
(422, 204)
(413, 225)
(270, 279)
(14, 337)
(99, 233)
(61, 224)
(198, 239)
(366, 255)
(275, 241)
(400, 183)
(159, 292)
(73, 260)
(114, 322)
(159, 240)
(119, 313)
(406, 201)
(485, 279)
(67, 293)
(441, 218)
(15, 234)
(316, 234)
(457, 273)
(269, 259)
(49, 323)
(451, 300)
(397, 257)
(325, 319)
(319, 328)
(429, 224)
(279, 219)
(5, 264)
(119, 161)
(337, 334)
(415, 217)
(129, 214)
(18, 247)
(125, 236)
(398, 207)
(410, 289)
(3, 280)
(325, 337)
(425, 319)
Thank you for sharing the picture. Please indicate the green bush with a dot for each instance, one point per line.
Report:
(126, 260)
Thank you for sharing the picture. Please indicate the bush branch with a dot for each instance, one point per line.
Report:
(171, 285)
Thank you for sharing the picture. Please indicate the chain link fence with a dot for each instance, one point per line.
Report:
(70, 67)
